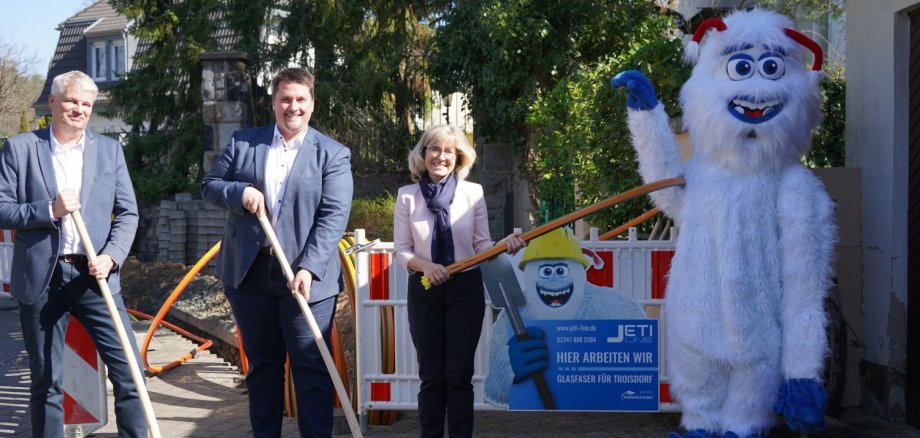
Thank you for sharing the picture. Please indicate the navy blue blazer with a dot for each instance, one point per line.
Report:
(27, 187)
(312, 217)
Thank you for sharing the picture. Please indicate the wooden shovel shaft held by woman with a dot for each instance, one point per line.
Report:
(314, 327)
(119, 328)
(469, 262)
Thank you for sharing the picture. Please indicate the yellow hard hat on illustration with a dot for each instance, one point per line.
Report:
(560, 243)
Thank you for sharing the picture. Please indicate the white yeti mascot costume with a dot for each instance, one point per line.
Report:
(744, 303)
(556, 287)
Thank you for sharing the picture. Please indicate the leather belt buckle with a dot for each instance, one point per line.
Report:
(74, 259)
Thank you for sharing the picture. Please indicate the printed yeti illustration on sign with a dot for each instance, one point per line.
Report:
(555, 288)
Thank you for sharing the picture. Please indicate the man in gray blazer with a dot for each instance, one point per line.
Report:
(302, 180)
(44, 176)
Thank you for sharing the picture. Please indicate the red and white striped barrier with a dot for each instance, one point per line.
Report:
(84, 373)
(84, 383)
(638, 268)
(6, 261)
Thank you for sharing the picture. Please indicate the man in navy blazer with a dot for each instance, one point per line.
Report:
(302, 180)
(44, 176)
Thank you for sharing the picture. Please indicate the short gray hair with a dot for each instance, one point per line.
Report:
(74, 78)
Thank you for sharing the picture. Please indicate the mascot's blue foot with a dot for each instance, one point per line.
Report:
(731, 434)
(695, 433)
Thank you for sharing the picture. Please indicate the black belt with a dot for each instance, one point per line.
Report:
(267, 250)
(74, 259)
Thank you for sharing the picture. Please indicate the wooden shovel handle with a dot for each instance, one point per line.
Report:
(500, 247)
(147, 406)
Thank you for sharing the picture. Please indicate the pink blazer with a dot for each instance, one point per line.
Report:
(413, 222)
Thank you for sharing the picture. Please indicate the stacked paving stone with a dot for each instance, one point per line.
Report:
(180, 230)
(205, 228)
(171, 229)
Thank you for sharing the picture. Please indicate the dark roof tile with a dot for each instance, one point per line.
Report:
(100, 18)
(70, 54)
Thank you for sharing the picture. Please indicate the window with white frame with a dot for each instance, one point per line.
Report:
(107, 60)
(97, 61)
(117, 65)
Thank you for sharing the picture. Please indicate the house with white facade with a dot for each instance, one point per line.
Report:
(95, 41)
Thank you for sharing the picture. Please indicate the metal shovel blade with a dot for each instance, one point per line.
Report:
(498, 275)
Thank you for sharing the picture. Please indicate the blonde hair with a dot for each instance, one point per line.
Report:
(443, 136)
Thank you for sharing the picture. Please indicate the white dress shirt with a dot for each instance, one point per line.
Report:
(278, 165)
(68, 174)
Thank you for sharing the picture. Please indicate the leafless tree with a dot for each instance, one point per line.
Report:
(18, 86)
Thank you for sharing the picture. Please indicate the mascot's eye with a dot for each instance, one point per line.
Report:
(546, 271)
(562, 271)
(772, 66)
(740, 67)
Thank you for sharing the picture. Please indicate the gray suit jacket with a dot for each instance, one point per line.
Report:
(27, 187)
(313, 213)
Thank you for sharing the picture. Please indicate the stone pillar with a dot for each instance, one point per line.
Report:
(506, 193)
(226, 100)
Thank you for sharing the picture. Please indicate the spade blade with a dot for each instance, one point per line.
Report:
(498, 276)
(504, 290)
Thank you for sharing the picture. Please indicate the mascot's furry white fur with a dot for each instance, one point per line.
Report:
(744, 304)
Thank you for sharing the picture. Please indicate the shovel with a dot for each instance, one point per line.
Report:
(314, 327)
(136, 375)
(505, 293)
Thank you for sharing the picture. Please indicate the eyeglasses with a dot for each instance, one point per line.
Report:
(435, 151)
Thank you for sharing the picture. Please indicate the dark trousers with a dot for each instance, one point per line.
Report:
(73, 292)
(272, 325)
(445, 322)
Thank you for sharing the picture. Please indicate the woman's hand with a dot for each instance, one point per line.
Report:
(514, 242)
(436, 273)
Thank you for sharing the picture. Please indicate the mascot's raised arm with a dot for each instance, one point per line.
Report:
(745, 297)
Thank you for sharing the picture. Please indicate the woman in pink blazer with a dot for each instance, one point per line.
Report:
(438, 221)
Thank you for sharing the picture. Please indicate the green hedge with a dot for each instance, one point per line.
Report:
(374, 215)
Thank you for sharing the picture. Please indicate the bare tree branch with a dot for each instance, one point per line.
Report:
(18, 87)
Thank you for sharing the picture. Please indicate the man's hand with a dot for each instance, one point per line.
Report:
(253, 201)
(65, 203)
(101, 267)
(301, 284)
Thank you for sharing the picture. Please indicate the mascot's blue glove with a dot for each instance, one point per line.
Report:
(641, 95)
(528, 356)
(802, 403)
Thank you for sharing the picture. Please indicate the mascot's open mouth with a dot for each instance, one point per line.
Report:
(751, 110)
(555, 298)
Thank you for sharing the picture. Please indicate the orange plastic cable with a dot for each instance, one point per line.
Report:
(244, 361)
(157, 320)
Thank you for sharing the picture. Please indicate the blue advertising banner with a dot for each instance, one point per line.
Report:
(596, 365)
